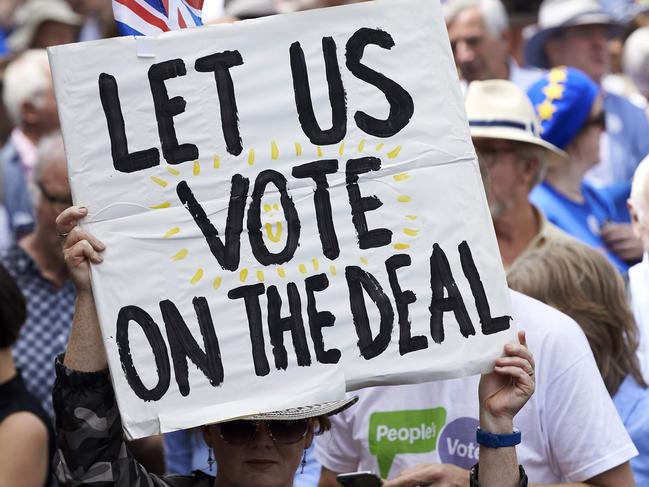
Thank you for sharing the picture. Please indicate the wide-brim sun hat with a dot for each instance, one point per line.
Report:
(32, 14)
(626, 10)
(499, 109)
(555, 15)
(304, 412)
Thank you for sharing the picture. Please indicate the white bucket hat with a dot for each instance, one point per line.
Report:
(555, 15)
(498, 109)
(32, 14)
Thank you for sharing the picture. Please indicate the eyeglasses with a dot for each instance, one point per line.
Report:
(241, 431)
(62, 201)
(491, 155)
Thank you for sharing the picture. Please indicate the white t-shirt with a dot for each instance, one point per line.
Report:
(639, 286)
(571, 430)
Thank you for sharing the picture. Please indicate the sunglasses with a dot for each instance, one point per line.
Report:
(598, 120)
(241, 431)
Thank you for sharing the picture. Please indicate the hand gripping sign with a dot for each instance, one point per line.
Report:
(291, 207)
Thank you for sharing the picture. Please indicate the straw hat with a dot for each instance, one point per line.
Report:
(498, 109)
(555, 15)
(32, 14)
(305, 412)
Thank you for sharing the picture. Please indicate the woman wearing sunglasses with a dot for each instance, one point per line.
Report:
(259, 451)
(570, 107)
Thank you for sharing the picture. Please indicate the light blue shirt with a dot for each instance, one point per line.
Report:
(632, 403)
(185, 451)
(584, 221)
(625, 143)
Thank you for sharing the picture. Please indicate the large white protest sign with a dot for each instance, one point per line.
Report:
(291, 208)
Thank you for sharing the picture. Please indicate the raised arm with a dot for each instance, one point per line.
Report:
(502, 394)
(85, 351)
(91, 449)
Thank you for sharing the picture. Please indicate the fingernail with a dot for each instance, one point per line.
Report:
(83, 209)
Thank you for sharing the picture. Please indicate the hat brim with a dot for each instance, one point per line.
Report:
(554, 155)
(534, 50)
(22, 36)
(305, 412)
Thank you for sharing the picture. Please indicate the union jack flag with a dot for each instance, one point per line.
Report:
(152, 17)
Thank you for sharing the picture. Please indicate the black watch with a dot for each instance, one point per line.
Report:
(473, 477)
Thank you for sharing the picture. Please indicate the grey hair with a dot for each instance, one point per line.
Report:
(638, 188)
(50, 150)
(26, 79)
(635, 59)
(493, 12)
(530, 152)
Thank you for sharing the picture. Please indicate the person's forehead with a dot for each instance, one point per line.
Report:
(469, 18)
(584, 29)
(490, 143)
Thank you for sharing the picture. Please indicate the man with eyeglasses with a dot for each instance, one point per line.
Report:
(513, 157)
(36, 262)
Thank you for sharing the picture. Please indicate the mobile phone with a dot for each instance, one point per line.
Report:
(359, 479)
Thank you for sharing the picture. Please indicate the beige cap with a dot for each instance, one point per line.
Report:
(32, 14)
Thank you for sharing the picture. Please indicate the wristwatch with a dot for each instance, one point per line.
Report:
(473, 477)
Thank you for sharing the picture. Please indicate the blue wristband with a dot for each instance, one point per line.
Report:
(493, 440)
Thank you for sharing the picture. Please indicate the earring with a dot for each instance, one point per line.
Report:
(210, 459)
(303, 463)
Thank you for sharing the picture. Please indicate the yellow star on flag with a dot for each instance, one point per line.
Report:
(546, 110)
(554, 91)
(558, 75)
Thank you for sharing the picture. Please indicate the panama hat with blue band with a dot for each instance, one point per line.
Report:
(498, 109)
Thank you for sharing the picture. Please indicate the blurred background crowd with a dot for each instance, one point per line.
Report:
(556, 97)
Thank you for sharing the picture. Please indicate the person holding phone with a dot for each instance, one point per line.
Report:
(260, 451)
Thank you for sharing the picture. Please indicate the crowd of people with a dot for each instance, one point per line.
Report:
(556, 99)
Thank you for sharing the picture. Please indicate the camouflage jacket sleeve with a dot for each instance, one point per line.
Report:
(91, 450)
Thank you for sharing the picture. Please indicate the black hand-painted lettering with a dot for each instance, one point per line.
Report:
(401, 104)
(152, 333)
(293, 323)
(227, 254)
(250, 295)
(357, 281)
(220, 65)
(319, 319)
(167, 108)
(259, 249)
(183, 345)
(442, 278)
(304, 103)
(318, 171)
(488, 324)
(403, 299)
(367, 239)
(123, 161)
